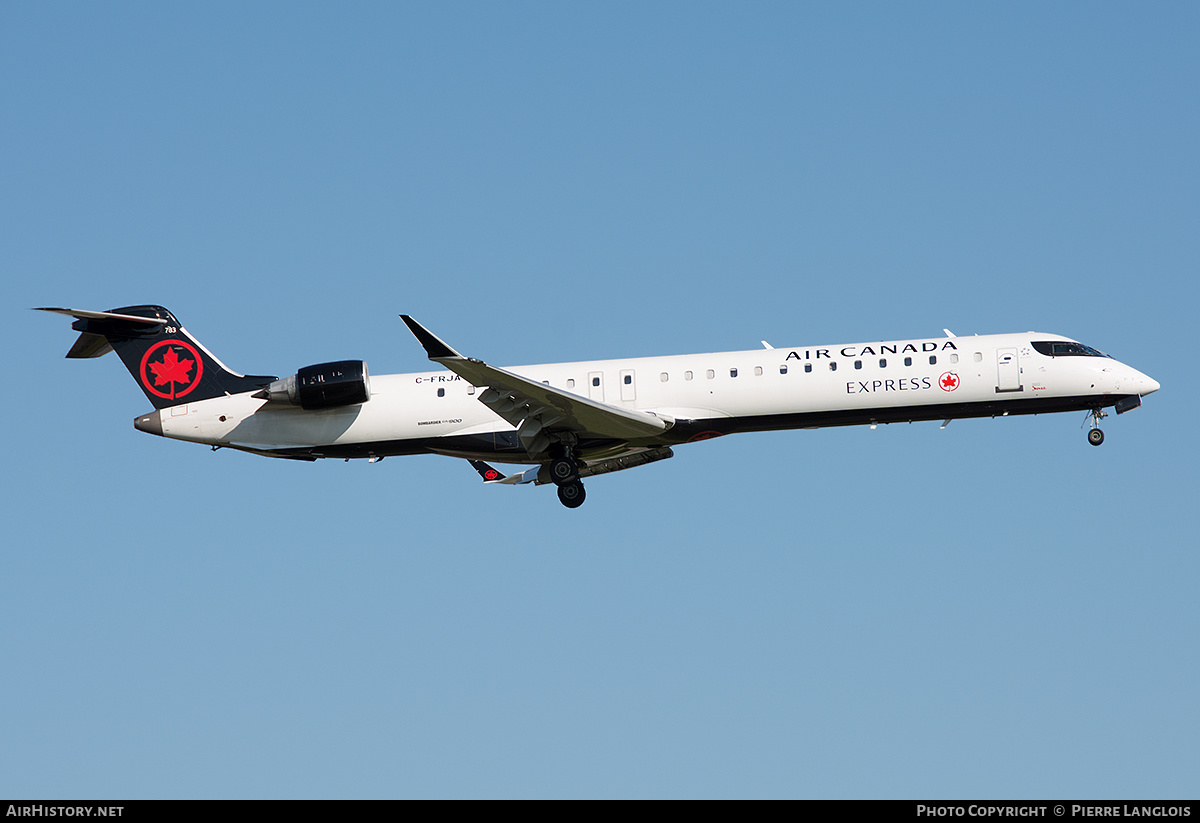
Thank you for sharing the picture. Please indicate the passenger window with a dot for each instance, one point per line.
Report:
(833, 366)
(687, 375)
(663, 377)
(710, 374)
(470, 390)
(858, 364)
(978, 357)
(883, 362)
(441, 392)
(733, 372)
(570, 382)
(933, 359)
(954, 358)
(629, 380)
(908, 361)
(758, 371)
(595, 381)
(783, 369)
(808, 367)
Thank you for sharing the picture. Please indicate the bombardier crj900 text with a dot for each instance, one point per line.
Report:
(575, 420)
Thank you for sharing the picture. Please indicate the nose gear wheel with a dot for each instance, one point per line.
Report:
(1094, 435)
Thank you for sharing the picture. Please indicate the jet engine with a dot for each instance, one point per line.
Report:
(323, 386)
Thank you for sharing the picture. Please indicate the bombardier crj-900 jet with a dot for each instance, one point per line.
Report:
(574, 420)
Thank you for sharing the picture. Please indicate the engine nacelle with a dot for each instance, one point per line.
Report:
(324, 386)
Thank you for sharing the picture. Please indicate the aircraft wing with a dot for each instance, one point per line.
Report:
(536, 407)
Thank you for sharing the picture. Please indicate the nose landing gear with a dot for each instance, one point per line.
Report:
(1094, 435)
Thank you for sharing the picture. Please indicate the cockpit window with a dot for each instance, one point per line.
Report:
(1060, 348)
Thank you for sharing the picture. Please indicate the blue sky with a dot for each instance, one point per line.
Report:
(996, 609)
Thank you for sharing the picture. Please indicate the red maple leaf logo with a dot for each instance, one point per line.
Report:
(948, 381)
(491, 474)
(172, 369)
(180, 375)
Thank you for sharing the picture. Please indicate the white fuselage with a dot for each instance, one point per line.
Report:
(705, 395)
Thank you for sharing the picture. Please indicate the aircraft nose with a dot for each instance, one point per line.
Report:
(1140, 383)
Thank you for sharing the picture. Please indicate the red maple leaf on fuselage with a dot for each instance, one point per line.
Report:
(172, 369)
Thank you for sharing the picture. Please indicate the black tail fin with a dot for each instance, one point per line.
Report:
(167, 362)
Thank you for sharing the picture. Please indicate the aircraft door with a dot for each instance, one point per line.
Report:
(628, 388)
(596, 386)
(1008, 370)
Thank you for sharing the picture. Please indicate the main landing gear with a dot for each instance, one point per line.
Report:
(1094, 435)
(571, 494)
(564, 471)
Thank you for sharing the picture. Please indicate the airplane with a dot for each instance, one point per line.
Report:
(571, 421)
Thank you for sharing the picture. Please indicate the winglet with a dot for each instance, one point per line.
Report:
(434, 347)
(491, 475)
(485, 471)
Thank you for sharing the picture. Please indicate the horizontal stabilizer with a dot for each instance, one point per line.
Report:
(80, 314)
(90, 344)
